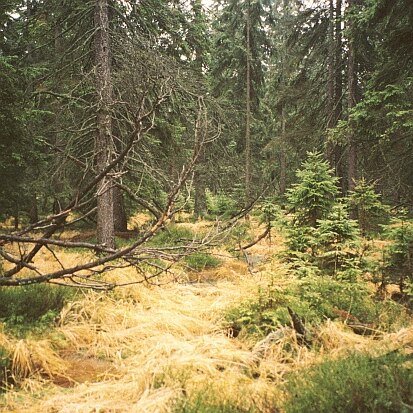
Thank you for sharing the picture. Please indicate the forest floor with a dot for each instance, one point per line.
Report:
(156, 349)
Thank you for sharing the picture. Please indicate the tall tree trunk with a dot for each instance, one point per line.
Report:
(32, 207)
(335, 88)
(120, 219)
(200, 204)
(352, 85)
(120, 215)
(16, 216)
(104, 142)
(33, 210)
(248, 112)
(338, 94)
(330, 147)
(283, 155)
(338, 84)
(285, 70)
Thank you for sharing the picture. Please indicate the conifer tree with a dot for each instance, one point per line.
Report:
(322, 238)
(313, 196)
(367, 206)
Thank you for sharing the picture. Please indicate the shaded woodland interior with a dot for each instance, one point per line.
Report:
(242, 166)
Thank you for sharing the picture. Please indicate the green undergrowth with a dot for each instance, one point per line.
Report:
(179, 238)
(314, 299)
(239, 235)
(32, 308)
(208, 403)
(201, 261)
(173, 235)
(355, 384)
(208, 399)
(221, 205)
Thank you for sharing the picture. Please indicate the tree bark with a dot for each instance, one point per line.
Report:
(283, 155)
(200, 204)
(338, 86)
(104, 142)
(352, 84)
(285, 69)
(16, 216)
(330, 150)
(338, 95)
(120, 219)
(248, 112)
(34, 210)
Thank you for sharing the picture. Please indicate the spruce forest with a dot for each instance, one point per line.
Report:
(206, 206)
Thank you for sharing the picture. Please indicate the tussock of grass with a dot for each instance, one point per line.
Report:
(6, 349)
(22, 361)
(6, 342)
(38, 357)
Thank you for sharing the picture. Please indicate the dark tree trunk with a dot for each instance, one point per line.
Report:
(104, 143)
(331, 62)
(352, 86)
(248, 113)
(285, 69)
(283, 155)
(200, 203)
(120, 217)
(33, 209)
(16, 216)
(338, 95)
(338, 84)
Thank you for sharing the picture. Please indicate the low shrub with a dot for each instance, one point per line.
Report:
(367, 206)
(356, 384)
(259, 316)
(200, 261)
(398, 264)
(315, 299)
(323, 297)
(239, 235)
(21, 307)
(221, 205)
(172, 235)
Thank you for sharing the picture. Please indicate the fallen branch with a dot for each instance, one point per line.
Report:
(251, 244)
(364, 330)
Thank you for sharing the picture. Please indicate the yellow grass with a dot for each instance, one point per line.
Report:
(143, 348)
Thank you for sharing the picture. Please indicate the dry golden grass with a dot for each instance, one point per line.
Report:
(143, 348)
(31, 356)
(5, 342)
(139, 220)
